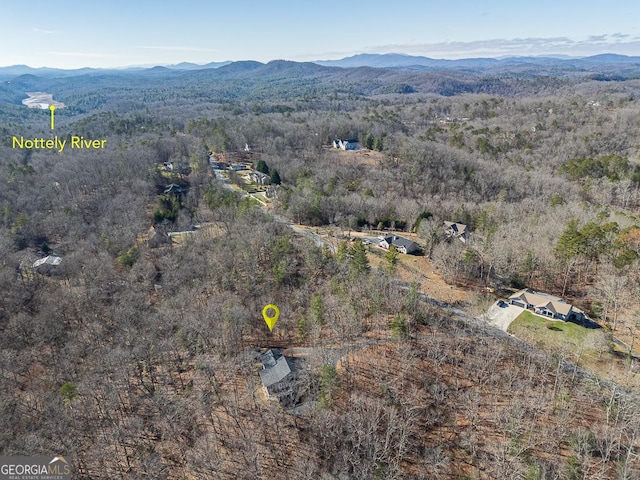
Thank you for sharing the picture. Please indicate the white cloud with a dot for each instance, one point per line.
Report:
(595, 44)
(46, 32)
(171, 48)
(81, 54)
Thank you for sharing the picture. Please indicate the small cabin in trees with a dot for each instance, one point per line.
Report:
(346, 144)
(277, 375)
(456, 230)
(49, 260)
(403, 245)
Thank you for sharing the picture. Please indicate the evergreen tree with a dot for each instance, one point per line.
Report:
(399, 327)
(392, 258)
(343, 252)
(262, 167)
(68, 391)
(378, 144)
(368, 141)
(316, 310)
(569, 249)
(571, 242)
(359, 260)
(275, 178)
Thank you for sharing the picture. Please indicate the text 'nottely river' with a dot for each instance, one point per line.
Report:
(56, 143)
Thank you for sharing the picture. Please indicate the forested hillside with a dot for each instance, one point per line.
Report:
(138, 353)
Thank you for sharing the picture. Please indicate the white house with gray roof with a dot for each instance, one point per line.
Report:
(403, 245)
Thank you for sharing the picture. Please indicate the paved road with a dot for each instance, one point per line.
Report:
(319, 240)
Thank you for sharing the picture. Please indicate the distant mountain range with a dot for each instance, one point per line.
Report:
(195, 66)
(394, 61)
(397, 60)
(88, 89)
(25, 70)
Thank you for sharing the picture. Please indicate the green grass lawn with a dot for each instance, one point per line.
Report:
(580, 344)
(592, 349)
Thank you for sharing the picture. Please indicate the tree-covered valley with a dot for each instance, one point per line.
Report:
(138, 353)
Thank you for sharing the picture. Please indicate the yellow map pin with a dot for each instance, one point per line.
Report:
(270, 320)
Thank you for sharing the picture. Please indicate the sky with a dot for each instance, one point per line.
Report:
(117, 33)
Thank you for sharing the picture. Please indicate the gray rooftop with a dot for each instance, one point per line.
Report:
(399, 241)
(268, 359)
(49, 260)
(274, 369)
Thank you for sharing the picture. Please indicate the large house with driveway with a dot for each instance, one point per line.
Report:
(545, 304)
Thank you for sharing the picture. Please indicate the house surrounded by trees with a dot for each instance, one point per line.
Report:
(456, 230)
(346, 144)
(277, 375)
(403, 245)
